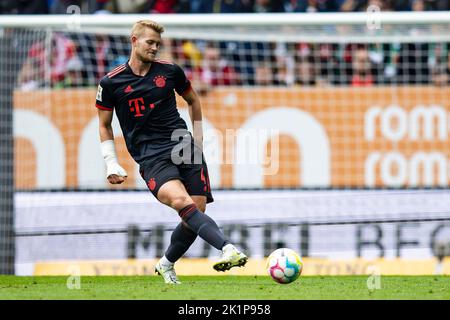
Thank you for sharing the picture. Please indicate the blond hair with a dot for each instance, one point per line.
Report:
(141, 24)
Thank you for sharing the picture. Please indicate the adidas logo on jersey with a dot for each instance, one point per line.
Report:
(128, 89)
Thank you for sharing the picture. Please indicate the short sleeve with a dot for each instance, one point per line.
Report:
(182, 83)
(104, 99)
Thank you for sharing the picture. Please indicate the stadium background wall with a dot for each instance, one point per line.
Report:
(330, 225)
(363, 137)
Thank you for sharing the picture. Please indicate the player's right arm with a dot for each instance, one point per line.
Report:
(114, 172)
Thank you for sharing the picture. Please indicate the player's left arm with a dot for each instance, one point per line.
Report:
(195, 112)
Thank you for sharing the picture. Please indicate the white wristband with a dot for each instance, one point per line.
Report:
(110, 157)
(109, 152)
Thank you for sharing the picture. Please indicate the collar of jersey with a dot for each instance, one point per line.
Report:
(128, 68)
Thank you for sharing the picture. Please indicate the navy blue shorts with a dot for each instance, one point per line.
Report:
(160, 169)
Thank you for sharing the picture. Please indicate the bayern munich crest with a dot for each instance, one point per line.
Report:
(160, 81)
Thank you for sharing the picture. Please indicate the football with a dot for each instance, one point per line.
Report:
(284, 265)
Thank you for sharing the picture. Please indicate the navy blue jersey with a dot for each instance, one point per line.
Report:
(145, 106)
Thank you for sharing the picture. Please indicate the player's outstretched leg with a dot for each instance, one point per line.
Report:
(208, 230)
(180, 241)
(173, 194)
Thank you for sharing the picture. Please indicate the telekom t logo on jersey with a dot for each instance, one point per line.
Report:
(137, 105)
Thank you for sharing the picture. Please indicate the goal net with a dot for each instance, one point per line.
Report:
(326, 133)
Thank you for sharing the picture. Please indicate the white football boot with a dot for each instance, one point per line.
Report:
(167, 272)
(231, 257)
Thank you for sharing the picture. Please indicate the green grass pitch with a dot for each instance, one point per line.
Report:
(225, 288)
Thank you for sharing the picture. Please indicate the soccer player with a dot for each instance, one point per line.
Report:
(170, 158)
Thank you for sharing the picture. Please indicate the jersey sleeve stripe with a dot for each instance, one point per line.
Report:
(103, 107)
(117, 68)
(116, 71)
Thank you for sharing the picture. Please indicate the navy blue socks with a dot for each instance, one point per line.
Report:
(203, 226)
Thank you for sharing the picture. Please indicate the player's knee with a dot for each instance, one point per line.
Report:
(179, 202)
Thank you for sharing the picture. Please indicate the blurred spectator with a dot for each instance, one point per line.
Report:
(283, 73)
(186, 54)
(24, 7)
(233, 6)
(441, 5)
(263, 75)
(384, 5)
(401, 5)
(353, 5)
(220, 6)
(127, 6)
(215, 70)
(397, 5)
(99, 5)
(386, 60)
(418, 5)
(86, 6)
(245, 55)
(192, 54)
(73, 76)
(60, 6)
(440, 76)
(183, 6)
(361, 66)
(326, 64)
(413, 63)
(430, 5)
(62, 51)
(304, 72)
(28, 78)
(215, 6)
(440, 73)
(312, 5)
(437, 54)
(35, 69)
(377, 59)
(344, 69)
(99, 53)
(119, 52)
(201, 6)
(102, 47)
(163, 6)
(268, 6)
(284, 65)
(89, 56)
